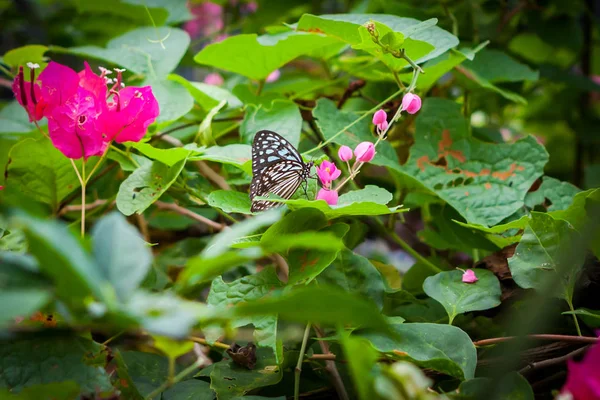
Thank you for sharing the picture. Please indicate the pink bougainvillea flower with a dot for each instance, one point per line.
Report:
(58, 84)
(208, 19)
(345, 153)
(411, 103)
(28, 94)
(127, 117)
(330, 196)
(364, 152)
(469, 276)
(380, 120)
(273, 76)
(214, 79)
(583, 379)
(74, 128)
(328, 172)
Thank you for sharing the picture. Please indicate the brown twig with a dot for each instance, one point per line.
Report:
(143, 225)
(352, 87)
(559, 338)
(552, 361)
(190, 214)
(330, 366)
(89, 206)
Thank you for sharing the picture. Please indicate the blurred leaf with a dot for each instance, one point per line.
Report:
(590, 317)
(511, 386)
(283, 117)
(307, 219)
(191, 389)
(122, 254)
(20, 56)
(331, 121)
(145, 185)
(484, 182)
(21, 302)
(14, 120)
(458, 297)
(257, 56)
(208, 96)
(64, 359)
(126, 8)
(355, 274)
(361, 360)
(443, 348)
(497, 66)
(230, 201)
(147, 370)
(177, 10)
(67, 390)
(41, 171)
(173, 348)
(536, 255)
(140, 51)
(403, 304)
(559, 194)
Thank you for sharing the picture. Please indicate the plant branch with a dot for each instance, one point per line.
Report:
(298, 370)
(557, 338)
(197, 364)
(203, 341)
(190, 214)
(330, 366)
(552, 361)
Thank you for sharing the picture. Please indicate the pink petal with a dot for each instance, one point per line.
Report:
(345, 153)
(365, 152)
(411, 103)
(330, 196)
(139, 108)
(92, 82)
(379, 117)
(273, 76)
(214, 79)
(59, 83)
(469, 276)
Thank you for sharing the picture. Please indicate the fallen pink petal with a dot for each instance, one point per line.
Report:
(469, 276)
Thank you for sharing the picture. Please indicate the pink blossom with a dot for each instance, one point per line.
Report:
(250, 7)
(208, 19)
(469, 276)
(220, 38)
(345, 153)
(214, 79)
(328, 172)
(273, 76)
(28, 95)
(380, 120)
(1, 187)
(127, 117)
(583, 379)
(330, 196)
(411, 103)
(364, 152)
(59, 83)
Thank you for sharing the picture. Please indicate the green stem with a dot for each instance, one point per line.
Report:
(570, 303)
(261, 84)
(298, 369)
(7, 72)
(82, 182)
(171, 370)
(100, 161)
(176, 379)
(125, 154)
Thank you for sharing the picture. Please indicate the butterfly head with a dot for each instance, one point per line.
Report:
(307, 167)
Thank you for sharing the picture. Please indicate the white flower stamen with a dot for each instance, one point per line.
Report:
(33, 65)
(120, 70)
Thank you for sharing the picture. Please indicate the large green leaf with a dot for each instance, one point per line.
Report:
(342, 210)
(174, 100)
(537, 256)
(576, 214)
(361, 359)
(257, 56)
(192, 389)
(458, 297)
(443, 348)
(230, 201)
(484, 182)
(140, 51)
(511, 386)
(147, 371)
(559, 195)
(169, 157)
(41, 171)
(208, 96)
(178, 10)
(331, 121)
(422, 40)
(145, 185)
(497, 66)
(282, 117)
(122, 254)
(67, 390)
(14, 120)
(43, 360)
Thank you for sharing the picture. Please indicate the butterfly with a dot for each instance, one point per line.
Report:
(277, 168)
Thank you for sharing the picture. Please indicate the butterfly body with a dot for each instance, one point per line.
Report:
(277, 168)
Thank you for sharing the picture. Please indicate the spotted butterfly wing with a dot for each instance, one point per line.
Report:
(277, 168)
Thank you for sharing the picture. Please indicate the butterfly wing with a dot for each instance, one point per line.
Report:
(277, 168)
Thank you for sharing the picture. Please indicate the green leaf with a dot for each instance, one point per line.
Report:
(307, 219)
(229, 380)
(257, 56)
(140, 52)
(14, 120)
(370, 193)
(458, 297)
(238, 155)
(321, 241)
(208, 96)
(590, 317)
(192, 389)
(63, 359)
(230, 201)
(61, 256)
(559, 194)
(497, 66)
(306, 304)
(361, 360)
(484, 182)
(422, 40)
(331, 121)
(306, 264)
(405, 305)
(20, 56)
(123, 9)
(21, 302)
(204, 135)
(41, 171)
(341, 210)
(355, 274)
(576, 214)
(168, 157)
(246, 289)
(511, 386)
(536, 257)
(67, 390)
(173, 348)
(121, 253)
(443, 348)
(145, 185)
(283, 117)
(147, 370)
(177, 10)
(174, 100)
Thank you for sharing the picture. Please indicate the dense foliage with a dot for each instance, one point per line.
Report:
(445, 244)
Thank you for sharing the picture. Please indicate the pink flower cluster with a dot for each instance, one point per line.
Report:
(583, 379)
(83, 114)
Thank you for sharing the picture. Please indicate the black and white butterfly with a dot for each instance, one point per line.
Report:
(277, 168)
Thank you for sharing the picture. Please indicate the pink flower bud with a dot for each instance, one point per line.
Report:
(214, 79)
(379, 117)
(345, 153)
(365, 152)
(330, 196)
(469, 276)
(273, 76)
(411, 103)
